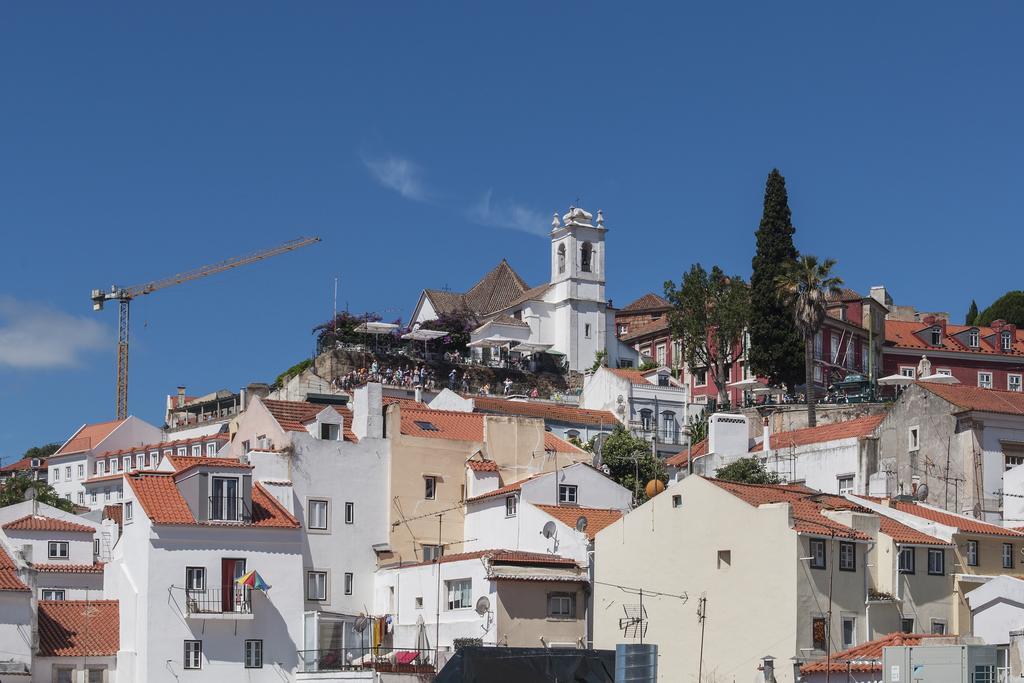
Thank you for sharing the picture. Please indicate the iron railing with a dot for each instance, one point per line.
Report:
(228, 509)
(236, 600)
(384, 659)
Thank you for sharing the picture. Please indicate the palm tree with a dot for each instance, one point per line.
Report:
(805, 285)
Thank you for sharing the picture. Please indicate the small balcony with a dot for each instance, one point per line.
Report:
(228, 509)
(647, 431)
(217, 603)
(380, 659)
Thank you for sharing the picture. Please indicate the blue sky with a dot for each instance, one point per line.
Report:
(426, 141)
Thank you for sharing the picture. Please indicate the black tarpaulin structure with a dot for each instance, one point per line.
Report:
(528, 665)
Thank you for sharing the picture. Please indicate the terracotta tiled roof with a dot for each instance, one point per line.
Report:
(55, 567)
(978, 399)
(963, 524)
(482, 465)
(509, 488)
(114, 512)
(654, 327)
(807, 506)
(105, 477)
(164, 504)
(597, 518)
(903, 335)
(79, 628)
(859, 427)
(533, 294)
(495, 290)
(845, 294)
(646, 302)
(9, 580)
(682, 459)
(866, 658)
(404, 402)
(553, 444)
(41, 523)
(507, 557)
(88, 437)
(23, 464)
(553, 412)
(443, 424)
(505, 320)
(293, 416)
(184, 463)
(446, 302)
(163, 445)
(634, 376)
(901, 533)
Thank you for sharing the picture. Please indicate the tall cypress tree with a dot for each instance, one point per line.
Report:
(776, 351)
(972, 313)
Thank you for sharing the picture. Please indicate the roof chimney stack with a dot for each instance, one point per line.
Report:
(181, 396)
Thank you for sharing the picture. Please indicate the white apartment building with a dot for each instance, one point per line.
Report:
(329, 466)
(188, 535)
(71, 465)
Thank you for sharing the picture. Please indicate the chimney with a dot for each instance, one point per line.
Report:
(257, 389)
(419, 393)
(181, 397)
(243, 398)
(881, 295)
(728, 436)
(367, 411)
(767, 432)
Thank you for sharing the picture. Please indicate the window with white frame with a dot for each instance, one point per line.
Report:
(154, 459)
(67, 472)
(847, 557)
(193, 654)
(849, 632)
(914, 438)
(317, 517)
(81, 471)
(567, 493)
(985, 380)
(845, 484)
(350, 513)
(113, 465)
(432, 552)
(936, 336)
(1013, 455)
(140, 461)
(348, 583)
(586, 330)
(907, 625)
(57, 550)
(211, 450)
(330, 432)
(56, 474)
(1007, 556)
(817, 554)
(316, 585)
(561, 605)
(96, 547)
(1007, 341)
(1013, 383)
(460, 593)
(972, 339)
(128, 510)
(100, 467)
(836, 347)
(195, 578)
(92, 496)
(52, 594)
(429, 487)
(661, 354)
(253, 654)
(197, 450)
(106, 494)
(972, 553)
(646, 418)
(126, 461)
(908, 371)
(944, 371)
(936, 561)
(182, 450)
(81, 497)
(700, 377)
(939, 627)
(510, 506)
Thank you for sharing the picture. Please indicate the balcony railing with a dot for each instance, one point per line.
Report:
(391, 660)
(215, 601)
(226, 509)
(646, 429)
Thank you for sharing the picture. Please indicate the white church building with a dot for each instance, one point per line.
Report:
(568, 317)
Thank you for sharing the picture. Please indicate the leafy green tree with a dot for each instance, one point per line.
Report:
(709, 314)
(43, 451)
(805, 286)
(600, 360)
(628, 456)
(775, 345)
(458, 324)
(1008, 307)
(747, 471)
(13, 491)
(972, 313)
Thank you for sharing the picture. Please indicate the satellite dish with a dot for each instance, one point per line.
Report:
(483, 605)
(606, 469)
(581, 524)
(922, 492)
(361, 623)
(30, 493)
(549, 530)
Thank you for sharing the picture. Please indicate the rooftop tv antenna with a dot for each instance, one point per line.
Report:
(124, 295)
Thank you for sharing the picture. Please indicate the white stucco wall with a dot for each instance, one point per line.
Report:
(818, 465)
(488, 528)
(16, 627)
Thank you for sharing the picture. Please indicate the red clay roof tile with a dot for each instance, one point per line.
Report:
(654, 327)
(859, 427)
(88, 437)
(442, 424)
(901, 533)
(9, 580)
(901, 334)
(293, 416)
(184, 463)
(978, 399)
(509, 488)
(482, 465)
(55, 567)
(505, 557)
(547, 411)
(646, 302)
(682, 459)
(864, 658)
(597, 518)
(963, 524)
(41, 523)
(158, 495)
(79, 628)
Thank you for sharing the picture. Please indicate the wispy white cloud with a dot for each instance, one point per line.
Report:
(34, 336)
(398, 174)
(508, 215)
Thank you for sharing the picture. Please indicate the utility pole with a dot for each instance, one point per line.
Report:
(437, 614)
(702, 615)
(828, 621)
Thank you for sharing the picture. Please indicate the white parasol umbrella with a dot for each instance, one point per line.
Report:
(376, 328)
(895, 381)
(747, 384)
(424, 335)
(940, 379)
(773, 391)
(422, 642)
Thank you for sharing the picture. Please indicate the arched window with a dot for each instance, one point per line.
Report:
(586, 254)
(561, 258)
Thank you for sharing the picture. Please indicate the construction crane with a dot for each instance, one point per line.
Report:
(124, 296)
